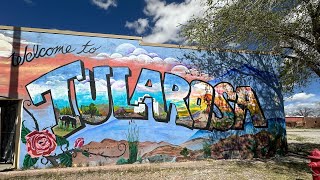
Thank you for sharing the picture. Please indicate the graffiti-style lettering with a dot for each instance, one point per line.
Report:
(57, 83)
(149, 85)
(120, 95)
(176, 90)
(92, 95)
(247, 101)
(223, 93)
(200, 102)
(94, 91)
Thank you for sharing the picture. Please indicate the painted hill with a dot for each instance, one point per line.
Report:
(200, 134)
(262, 144)
(113, 148)
(194, 144)
(170, 150)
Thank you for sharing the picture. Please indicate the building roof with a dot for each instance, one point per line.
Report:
(294, 119)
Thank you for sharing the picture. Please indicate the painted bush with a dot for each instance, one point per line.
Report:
(119, 102)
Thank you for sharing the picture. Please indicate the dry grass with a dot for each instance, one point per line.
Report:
(210, 169)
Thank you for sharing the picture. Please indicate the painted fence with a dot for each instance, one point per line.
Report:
(93, 99)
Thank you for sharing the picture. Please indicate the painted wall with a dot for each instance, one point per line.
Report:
(104, 100)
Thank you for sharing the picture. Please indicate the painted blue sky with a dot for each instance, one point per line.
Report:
(156, 21)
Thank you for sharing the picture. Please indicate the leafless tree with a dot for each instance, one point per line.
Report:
(305, 112)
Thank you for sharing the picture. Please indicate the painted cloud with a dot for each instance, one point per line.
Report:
(6, 45)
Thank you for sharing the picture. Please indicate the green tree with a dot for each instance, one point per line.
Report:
(92, 110)
(290, 28)
(66, 111)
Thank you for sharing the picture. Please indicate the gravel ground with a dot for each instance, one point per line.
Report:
(289, 167)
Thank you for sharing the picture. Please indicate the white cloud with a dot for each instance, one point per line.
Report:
(139, 51)
(299, 97)
(128, 52)
(105, 4)
(158, 60)
(291, 109)
(300, 101)
(5, 48)
(6, 45)
(11, 40)
(139, 25)
(171, 60)
(200, 89)
(102, 56)
(144, 58)
(155, 87)
(125, 49)
(116, 55)
(101, 86)
(167, 18)
(180, 70)
(59, 89)
(200, 86)
(118, 85)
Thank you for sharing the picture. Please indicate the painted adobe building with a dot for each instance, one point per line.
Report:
(69, 99)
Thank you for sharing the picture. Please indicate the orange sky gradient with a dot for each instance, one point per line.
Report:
(30, 71)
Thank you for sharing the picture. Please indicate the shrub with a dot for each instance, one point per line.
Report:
(70, 128)
(122, 161)
(206, 150)
(139, 159)
(184, 152)
(60, 125)
(66, 111)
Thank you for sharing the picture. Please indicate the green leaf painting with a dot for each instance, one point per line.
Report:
(24, 132)
(66, 159)
(62, 141)
(28, 161)
(86, 153)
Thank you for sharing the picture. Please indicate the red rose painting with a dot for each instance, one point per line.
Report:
(40, 143)
(79, 142)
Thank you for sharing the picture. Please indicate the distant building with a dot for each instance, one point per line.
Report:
(312, 122)
(303, 122)
(141, 107)
(295, 121)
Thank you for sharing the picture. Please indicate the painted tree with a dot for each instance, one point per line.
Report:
(92, 110)
(290, 28)
(66, 111)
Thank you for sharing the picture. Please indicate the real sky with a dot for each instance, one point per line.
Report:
(156, 21)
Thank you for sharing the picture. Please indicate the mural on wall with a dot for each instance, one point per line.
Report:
(95, 101)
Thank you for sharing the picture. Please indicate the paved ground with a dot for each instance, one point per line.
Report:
(301, 141)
